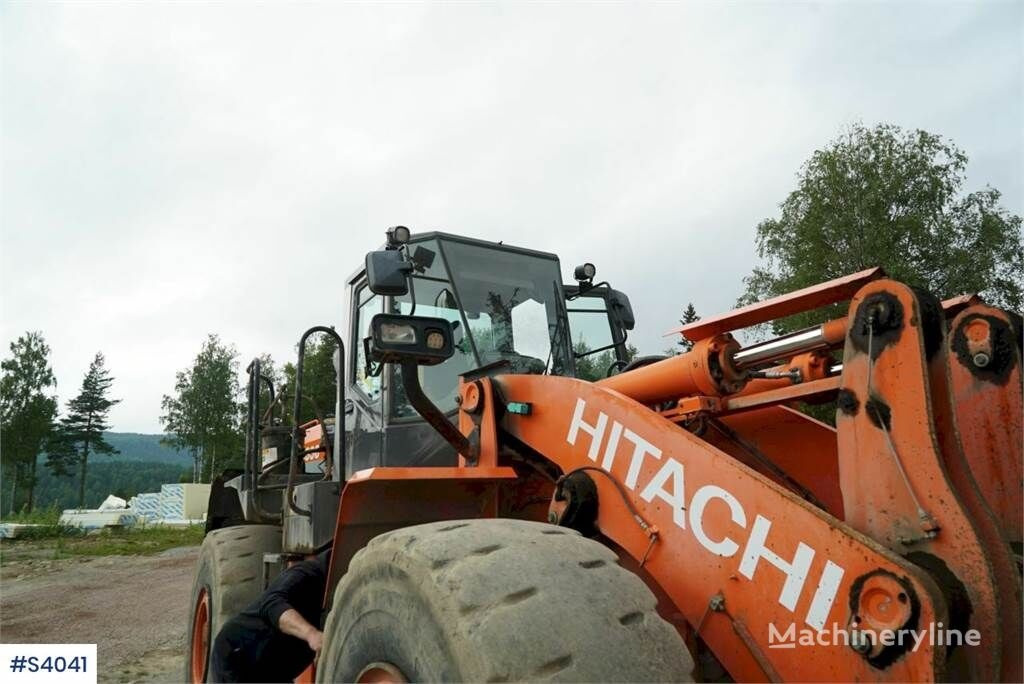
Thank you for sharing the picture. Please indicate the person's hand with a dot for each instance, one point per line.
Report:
(316, 642)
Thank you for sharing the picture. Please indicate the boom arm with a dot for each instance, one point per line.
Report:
(721, 531)
(742, 557)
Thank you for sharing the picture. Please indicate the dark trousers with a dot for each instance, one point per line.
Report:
(248, 650)
(227, 657)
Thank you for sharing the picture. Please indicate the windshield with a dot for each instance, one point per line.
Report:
(513, 304)
(512, 310)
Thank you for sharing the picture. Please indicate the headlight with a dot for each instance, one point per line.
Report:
(396, 333)
(395, 338)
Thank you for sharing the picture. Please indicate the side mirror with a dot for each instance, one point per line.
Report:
(386, 273)
(619, 303)
(395, 338)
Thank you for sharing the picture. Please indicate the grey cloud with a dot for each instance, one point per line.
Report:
(172, 170)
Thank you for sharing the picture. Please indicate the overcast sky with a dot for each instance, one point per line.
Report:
(175, 170)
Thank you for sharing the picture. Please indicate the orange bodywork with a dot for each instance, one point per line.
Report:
(987, 407)
(748, 518)
(313, 443)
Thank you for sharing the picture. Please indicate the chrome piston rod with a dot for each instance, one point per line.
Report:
(782, 347)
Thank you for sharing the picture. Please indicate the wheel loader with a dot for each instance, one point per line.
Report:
(495, 518)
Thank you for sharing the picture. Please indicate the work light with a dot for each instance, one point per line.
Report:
(585, 272)
(398, 235)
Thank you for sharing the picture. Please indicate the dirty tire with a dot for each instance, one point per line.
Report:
(496, 601)
(230, 568)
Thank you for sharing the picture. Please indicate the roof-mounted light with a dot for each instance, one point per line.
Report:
(585, 272)
(397, 236)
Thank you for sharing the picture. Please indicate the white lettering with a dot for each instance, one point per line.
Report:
(642, 447)
(612, 446)
(596, 432)
(796, 572)
(775, 636)
(727, 547)
(668, 485)
(676, 498)
(824, 595)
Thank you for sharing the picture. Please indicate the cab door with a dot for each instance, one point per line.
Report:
(598, 330)
(364, 405)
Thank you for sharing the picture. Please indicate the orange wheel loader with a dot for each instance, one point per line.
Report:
(495, 518)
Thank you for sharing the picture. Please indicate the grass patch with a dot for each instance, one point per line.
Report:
(130, 541)
(57, 541)
(47, 525)
(40, 516)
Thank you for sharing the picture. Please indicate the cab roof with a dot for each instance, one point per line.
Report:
(451, 237)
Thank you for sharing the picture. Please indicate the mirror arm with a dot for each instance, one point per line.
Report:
(585, 287)
(412, 287)
(433, 415)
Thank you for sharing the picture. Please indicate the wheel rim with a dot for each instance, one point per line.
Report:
(381, 673)
(200, 635)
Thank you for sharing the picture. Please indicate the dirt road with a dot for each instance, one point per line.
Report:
(133, 607)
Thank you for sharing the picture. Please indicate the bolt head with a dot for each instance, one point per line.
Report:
(859, 641)
(981, 359)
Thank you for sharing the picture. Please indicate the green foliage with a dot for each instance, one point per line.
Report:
(48, 515)
(268, 369)
(689, 316)
(81, 430)
(64, 542)
(888, 197)
(46, 520)
(123, 478)
(595, 366)
(318, 380)
(143, 540)
(203, 415)
(134, 446)
(27, 414)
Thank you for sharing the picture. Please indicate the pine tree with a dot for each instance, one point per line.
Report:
(81, 430)
(689, 316)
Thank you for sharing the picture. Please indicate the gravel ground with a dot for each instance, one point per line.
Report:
(133, 607)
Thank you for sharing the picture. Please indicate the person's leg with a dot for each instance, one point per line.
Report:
(224, 658)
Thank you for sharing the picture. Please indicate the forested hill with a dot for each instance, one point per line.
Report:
(137, 447)
(105, 476)
(142, 465)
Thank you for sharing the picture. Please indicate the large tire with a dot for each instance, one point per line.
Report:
(229, 576)
(495, 601)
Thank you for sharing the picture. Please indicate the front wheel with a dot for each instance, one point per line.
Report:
(495, 600)
(229, 577)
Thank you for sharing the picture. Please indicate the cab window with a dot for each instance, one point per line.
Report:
(434, 298)
(368, 305)
(591, 329)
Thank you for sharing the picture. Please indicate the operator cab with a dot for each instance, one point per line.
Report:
(509, 313)
(600, 319)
